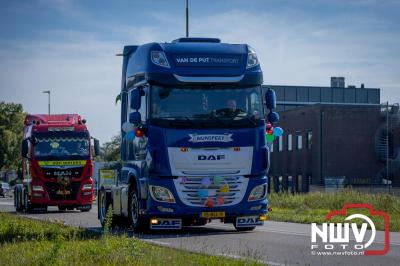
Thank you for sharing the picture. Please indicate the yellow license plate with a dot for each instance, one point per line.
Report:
(212, 214)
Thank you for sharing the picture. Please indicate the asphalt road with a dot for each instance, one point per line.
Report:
(275, 243)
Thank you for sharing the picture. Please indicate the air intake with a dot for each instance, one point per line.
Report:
(197, 39)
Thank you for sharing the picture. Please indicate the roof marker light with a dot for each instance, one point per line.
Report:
(252, 59)
(158, 58)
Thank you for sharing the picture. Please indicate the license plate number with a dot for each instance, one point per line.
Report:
(212, 214)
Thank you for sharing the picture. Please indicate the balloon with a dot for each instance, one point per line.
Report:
(212, 193)
(183, 180)
(269, 138)
(202, 193)
(278, 131)
(206, 181)
(130, 136)
(126, 127)
(217, 180)
(209, 203)
(220, 200)
(224, 189)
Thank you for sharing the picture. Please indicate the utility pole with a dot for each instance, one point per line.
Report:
(48, 92)
(187, 18)
(387, 145)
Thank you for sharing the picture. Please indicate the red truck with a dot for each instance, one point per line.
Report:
(57, 164)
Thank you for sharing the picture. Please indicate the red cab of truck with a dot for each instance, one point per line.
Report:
(57, 164)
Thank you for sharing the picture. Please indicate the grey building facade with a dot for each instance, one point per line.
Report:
(335, 132)
(291, 97)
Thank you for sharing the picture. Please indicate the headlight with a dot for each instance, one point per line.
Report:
(87, 187)
(252, 59)
(158, 58)
(37, 188)
(259, 192)
(161, 194)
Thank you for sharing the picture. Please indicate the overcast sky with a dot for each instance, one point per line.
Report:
(69, 47)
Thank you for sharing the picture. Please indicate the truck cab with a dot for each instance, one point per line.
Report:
(56, 164)
(193, 127)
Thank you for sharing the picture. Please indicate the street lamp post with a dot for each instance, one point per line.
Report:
(48, 92)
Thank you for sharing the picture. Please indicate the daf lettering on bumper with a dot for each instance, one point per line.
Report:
(211, 157)
(167, 224)
(247, 221)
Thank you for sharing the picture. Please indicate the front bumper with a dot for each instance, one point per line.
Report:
(49, 197)
(181, 210)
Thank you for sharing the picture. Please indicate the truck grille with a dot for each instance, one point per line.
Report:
(216, 188)
(53, 187)
(54, 172)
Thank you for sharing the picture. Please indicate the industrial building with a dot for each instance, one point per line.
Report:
(335, 134)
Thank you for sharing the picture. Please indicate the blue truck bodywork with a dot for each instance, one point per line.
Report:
(188, 169)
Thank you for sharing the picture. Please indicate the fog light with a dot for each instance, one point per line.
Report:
(154, 221)
(263, 217)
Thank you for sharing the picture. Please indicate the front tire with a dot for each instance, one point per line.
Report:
(104, 205)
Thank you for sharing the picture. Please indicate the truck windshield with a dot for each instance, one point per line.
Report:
(67, 148)
(206, 106)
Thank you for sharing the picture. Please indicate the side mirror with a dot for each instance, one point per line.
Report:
(270, 99)
(273, 117)
(24, 148)
(135, 99)
(96, 147)
(135, 118)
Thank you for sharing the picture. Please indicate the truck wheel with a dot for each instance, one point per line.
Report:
(136, 222)
(62, 208)
(28, 207)
(103, 205)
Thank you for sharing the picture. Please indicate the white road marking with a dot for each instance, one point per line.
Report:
(161, 243)
(264, 229)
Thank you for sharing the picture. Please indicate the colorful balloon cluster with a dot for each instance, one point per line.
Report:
(272, 133)
(132, 131)
(212, 190)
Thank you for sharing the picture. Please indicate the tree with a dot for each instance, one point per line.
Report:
(110, 151)
(12, 117)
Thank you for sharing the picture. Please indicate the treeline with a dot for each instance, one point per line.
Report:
(12, 117)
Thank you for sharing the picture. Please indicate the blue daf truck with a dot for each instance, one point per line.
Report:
(193, 137)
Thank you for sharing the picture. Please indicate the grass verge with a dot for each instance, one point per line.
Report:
(313, 207)
(30, 242)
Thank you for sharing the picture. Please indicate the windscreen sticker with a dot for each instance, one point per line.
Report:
(63, 163)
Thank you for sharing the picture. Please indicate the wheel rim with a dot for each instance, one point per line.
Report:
(102, 202)
(134, 209)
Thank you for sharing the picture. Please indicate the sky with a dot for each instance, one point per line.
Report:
(69, 46)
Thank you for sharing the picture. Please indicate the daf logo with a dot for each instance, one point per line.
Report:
(169, 223)
(211, 157)
(248, 220)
